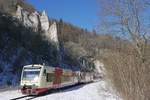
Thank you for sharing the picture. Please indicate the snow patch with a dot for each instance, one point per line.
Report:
(93, 91)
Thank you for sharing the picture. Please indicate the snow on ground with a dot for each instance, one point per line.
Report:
(92, 91)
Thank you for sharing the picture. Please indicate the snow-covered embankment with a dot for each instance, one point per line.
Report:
(92, 91)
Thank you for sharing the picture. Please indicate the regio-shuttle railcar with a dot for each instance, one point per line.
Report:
(37, 79)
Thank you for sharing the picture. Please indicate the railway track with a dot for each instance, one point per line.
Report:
(30, 97)
(27, 97)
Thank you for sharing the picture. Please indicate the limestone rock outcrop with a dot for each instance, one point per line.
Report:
(44, 21)
(38, 22)
(99, 69)
(53, 33)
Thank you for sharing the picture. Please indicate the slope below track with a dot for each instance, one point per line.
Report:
(93, 91)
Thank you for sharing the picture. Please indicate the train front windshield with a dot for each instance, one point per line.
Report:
(31, 74)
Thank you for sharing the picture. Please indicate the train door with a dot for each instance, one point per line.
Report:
(57, 80)
(50, 77)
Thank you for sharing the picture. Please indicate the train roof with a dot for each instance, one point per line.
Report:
(39, 65)
(32, 65)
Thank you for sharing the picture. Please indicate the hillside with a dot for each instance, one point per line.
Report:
(20, 45)
(29, 37)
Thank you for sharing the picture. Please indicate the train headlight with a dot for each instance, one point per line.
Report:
(36, 78)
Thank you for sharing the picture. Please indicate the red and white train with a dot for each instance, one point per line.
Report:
(37, 79)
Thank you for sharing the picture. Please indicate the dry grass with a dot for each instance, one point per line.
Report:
(129, 73)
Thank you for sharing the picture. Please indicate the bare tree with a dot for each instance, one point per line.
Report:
(127, 17)
(130, 18)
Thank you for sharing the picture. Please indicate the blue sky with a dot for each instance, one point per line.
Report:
(82, 13)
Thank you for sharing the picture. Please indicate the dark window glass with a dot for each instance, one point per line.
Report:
(50, 77)
(65, 78)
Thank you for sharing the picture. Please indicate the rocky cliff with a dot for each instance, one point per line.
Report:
(26, 38)
(38, 22)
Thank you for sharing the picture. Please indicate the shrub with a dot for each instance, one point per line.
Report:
(130, 73)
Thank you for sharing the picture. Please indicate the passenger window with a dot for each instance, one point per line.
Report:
(50, 77)
(65, 78)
